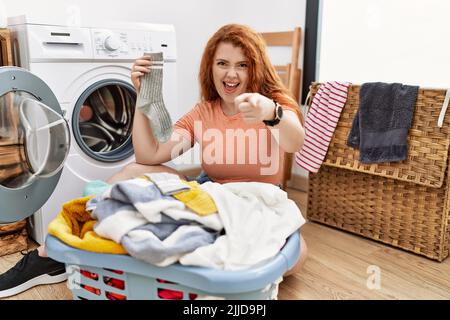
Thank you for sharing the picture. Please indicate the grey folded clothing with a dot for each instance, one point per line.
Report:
(168, 183)
(380, 127)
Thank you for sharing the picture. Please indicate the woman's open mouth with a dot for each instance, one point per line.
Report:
(230, 87)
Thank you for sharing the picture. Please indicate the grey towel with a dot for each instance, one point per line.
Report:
(148, 247)
(380, 127)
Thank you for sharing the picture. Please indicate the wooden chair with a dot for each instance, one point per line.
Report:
(5, 48)
(290, 74)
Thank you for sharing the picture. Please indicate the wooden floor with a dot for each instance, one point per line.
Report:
(337, 268)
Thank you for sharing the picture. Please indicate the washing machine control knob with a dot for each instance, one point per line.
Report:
(112, 43)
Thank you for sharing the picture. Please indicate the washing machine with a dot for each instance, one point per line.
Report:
(87, 68)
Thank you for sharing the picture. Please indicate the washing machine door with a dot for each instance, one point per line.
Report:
(34, 143)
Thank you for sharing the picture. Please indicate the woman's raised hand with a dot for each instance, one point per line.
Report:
(139, 68)
(255, 107)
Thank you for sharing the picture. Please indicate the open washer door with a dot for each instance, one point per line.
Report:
(34, 143)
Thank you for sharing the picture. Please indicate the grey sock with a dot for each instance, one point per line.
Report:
(150, 100)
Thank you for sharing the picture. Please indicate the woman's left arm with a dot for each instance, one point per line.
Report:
(289, 132)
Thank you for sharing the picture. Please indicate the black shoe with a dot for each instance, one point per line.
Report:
(30, 271)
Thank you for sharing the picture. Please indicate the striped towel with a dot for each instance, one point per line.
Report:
(322, 119)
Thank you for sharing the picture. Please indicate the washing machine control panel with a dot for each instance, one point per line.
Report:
(130, 44)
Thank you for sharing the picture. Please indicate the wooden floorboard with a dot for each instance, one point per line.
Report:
(338, 262)
(336, 268)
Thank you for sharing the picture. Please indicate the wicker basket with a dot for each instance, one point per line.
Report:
(404, 204)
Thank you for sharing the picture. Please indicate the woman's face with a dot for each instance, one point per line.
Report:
(230, 71)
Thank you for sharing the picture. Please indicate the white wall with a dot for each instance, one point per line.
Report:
(195, 21)
(386, 40)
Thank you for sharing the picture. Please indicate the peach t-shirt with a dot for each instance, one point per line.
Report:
(233, 150)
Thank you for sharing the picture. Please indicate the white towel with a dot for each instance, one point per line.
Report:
(257, 217)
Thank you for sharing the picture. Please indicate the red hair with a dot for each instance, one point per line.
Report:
(263, 77)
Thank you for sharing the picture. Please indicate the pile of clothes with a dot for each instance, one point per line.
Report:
(161, 219)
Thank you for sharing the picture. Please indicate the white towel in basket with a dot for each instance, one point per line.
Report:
(257, 217)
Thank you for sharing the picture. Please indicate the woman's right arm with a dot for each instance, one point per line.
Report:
(147, 149)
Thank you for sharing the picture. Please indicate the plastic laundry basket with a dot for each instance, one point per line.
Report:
(96, 276)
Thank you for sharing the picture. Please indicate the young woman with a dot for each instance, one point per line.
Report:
(242, 133)
(245, 122)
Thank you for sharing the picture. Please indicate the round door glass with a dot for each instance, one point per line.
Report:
(34, 140)
(103, 120)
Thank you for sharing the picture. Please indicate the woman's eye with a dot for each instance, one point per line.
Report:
(220, 63)
(243, 65)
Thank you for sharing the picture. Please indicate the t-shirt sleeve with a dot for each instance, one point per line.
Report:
(185, 125)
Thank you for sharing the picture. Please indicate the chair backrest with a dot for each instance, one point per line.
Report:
(5, 48)
(290, 74)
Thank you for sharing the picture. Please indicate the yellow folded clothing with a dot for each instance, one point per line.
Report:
(74, 226)
(197, 200)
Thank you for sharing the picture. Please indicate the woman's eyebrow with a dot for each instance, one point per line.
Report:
(225, 60)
